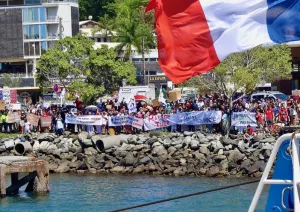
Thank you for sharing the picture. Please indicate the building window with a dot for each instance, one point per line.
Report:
(31, 32)
(43, 47)
(32, 1)
(30, 15)
(99, 40)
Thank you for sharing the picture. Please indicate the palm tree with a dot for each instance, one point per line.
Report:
(131, 29)
(11, 82)
(104, 25)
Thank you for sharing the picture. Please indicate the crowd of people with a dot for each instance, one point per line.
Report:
(270, 114)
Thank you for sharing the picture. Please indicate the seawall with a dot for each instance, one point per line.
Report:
(188, 153)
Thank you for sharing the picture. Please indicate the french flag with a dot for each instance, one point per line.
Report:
(194, 36)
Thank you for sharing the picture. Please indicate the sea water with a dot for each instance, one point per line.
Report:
(72, 192)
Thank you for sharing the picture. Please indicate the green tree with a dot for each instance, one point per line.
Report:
(242, 72)
(11, 82)
(131, 28)
(95, 8)
(76, 65)
(105, 25)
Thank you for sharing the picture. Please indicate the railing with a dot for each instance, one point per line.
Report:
(59, 1)
(52, 19)
(18, 75)
(52, 36)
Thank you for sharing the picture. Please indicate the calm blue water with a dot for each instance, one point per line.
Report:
(71, 192)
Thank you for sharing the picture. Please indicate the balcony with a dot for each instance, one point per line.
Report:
(52, 19)
(60, 1)
(52, 36)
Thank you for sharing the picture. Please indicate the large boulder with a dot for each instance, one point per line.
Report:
(2, 148)
(194, 144)
(46, 137)
(9, 144)
(83, 135)
(44, 146)
(118, 169)
(63, 168)
(139, 169)
(167, 142)
(132, 139)
(213, 171)
(235, 156)
(129, 159)
(145, 160)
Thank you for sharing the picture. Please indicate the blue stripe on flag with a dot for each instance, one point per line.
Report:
(283, 19)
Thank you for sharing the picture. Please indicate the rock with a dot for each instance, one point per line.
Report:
(151, 141)
(186, 133)
(73, 165)
(44, 146)
(194, 145)
(2, 148)
(130, 160)
(90, 134)
(218, 146)
(177, 142)
(246, 165)
(90, 151)
(268, 140)
(52, 166)
(171, 150)
(198, 155)
(224, 164)
(82, 135)
(87, 142)
(267, 146)
(221, 152)
(76, 143)
(235, 156)
(204, 150)
(36, 146)
(46, 137)
(167, 142)
(139, 169)
(67, 133)
(213, 171)
(225, 141)
(203, 140)
(202, 171)
(219, 158)
(156, 144)
(132, 139)
(178, 172)
(63, 168)
(117, 169)
(109, 164)
(9, 145)
(178, 146)
(257, 166)
(182, 162)
(144, 160)
(187, 140)
(159, 150)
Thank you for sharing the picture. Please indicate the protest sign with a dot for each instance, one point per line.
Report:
(15, 106)
(46, 121)
(33, 119)
(155, 102)
(118, 121)
(84, 120)
(243, 119)
(2, 104)
(13, 117)
(196, 118)
(13, 96)
(6, 96)
(174, 95)
(137, 122)
(157, 121)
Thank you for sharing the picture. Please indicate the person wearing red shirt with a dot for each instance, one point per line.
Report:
(259, 120)
(269, 114)
(78, 104)
(283, 115)
(249, 134)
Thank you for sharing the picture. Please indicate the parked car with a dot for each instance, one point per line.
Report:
(269, 94)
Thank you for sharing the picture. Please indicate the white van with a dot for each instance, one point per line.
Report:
(269, 94)
(128, 92)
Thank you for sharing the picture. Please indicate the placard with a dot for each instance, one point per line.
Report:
(33, 119)
(155, 103)
(13, 117)
(174, 95)
(13, 96)
(2, 104)
(6, 96)
(15, 106)
(46, 121)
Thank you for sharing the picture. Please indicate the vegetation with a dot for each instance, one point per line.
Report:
(73, 62)
(242, 72)
(11, 82)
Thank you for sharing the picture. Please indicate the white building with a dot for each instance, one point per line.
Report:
(28, 28)
(153, 72)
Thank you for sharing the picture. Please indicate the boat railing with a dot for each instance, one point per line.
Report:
(293, 151)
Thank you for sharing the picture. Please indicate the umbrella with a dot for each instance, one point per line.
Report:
(140, 97)
(91, 107)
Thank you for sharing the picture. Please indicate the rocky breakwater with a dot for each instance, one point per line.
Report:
(189, 153)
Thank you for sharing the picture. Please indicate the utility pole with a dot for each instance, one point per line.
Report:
(60, 28)
(144, 64)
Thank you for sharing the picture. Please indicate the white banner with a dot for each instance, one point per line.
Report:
(157, 121)
(84, 120)
(6, 96)
(196, 118)
(115, 121)
(243, 119)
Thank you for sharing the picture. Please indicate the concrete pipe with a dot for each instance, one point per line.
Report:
(110, 141)
(23, 147)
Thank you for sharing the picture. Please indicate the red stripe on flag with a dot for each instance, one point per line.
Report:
(184, 42)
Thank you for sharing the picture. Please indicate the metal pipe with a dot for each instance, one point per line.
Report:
(267, 170)
(23, 147)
